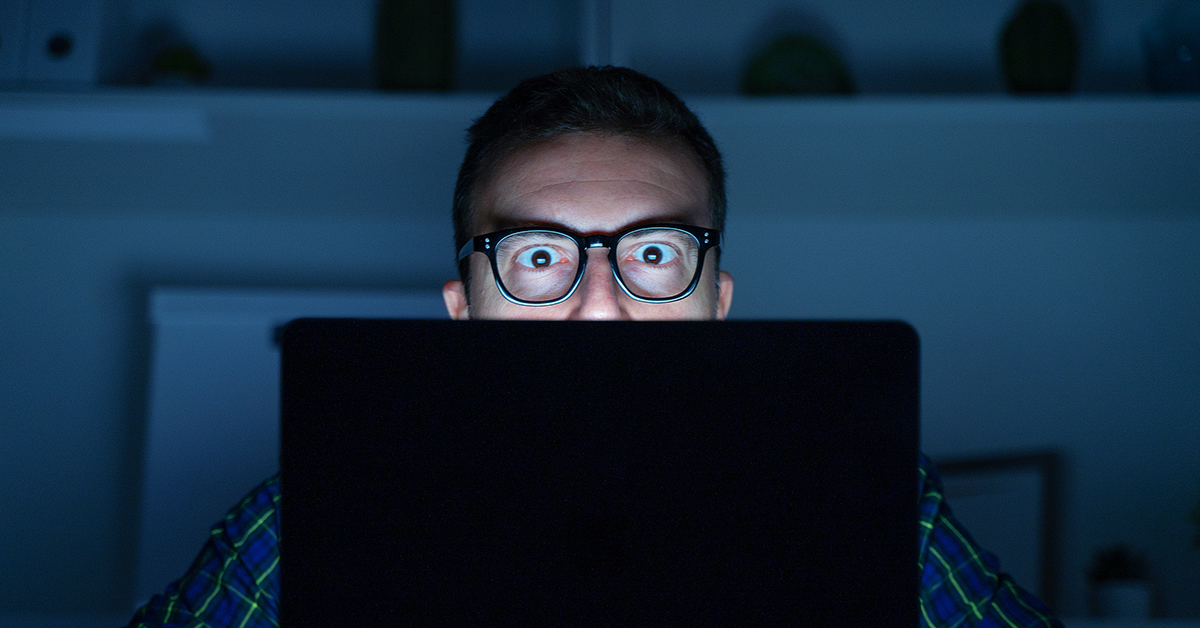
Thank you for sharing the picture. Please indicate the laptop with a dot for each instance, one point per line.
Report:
(505, 473)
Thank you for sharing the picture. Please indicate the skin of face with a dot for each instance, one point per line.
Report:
(591, 184)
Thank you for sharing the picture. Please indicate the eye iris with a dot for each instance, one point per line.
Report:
(652, 255)
(540, 259)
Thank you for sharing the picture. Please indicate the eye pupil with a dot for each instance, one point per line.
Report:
(540, 259)
(652, 254)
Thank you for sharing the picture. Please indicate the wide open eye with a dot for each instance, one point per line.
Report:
(539, 257)
(653, 253)
(535, 250)
(657, 247)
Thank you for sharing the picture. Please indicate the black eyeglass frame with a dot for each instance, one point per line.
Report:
(486, 244)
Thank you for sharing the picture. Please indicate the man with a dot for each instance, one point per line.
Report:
(539, 158)
(559, 172)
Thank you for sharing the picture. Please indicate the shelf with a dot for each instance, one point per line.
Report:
(372, 155)
(186, 115)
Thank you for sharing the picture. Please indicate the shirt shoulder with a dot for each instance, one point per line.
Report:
(234, 581)
(962, 584)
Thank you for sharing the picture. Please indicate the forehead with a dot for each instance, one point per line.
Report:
(593, 184)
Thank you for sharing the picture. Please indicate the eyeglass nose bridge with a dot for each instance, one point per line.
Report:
(599, 241)
(602, 241)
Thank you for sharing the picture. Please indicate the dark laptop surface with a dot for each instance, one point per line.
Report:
(505, 473)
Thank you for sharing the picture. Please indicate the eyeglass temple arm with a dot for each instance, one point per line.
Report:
(478, 243)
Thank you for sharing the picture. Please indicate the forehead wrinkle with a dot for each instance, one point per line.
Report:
(564, 180)
(675, 183)
(566, 185)
(517, 212)
(637, 158)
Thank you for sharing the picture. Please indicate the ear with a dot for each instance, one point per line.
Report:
(456, 300)
(724, 294)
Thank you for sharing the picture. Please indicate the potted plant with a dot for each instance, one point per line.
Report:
(1120, 584)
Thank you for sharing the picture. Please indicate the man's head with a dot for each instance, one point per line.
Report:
(591, 151)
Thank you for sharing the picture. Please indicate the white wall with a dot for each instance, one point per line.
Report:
(1045, 250)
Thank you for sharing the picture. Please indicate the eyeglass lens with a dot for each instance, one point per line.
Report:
(654, 263)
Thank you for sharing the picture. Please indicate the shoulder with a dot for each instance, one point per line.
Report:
(259, 505)
(252, 526)
(234, 581)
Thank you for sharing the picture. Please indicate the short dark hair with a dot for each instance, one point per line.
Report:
(605, 100)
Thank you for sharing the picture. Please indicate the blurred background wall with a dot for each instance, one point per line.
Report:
(1045, 248)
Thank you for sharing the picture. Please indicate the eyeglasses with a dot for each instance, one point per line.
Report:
(651, 263)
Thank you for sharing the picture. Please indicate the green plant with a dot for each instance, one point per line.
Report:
(1116, 562)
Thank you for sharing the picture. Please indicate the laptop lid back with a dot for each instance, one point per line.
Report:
(443, 473)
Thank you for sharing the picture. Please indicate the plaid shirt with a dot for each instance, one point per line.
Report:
(235, 580)
(961, 584)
